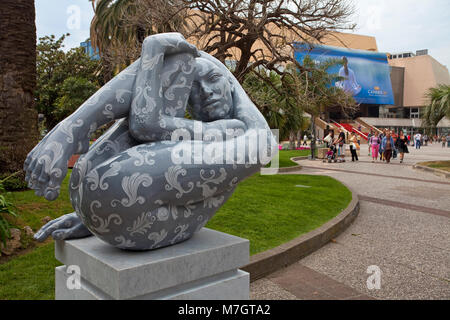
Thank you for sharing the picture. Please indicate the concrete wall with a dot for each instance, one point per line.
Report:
(421, 73)
(398, 84)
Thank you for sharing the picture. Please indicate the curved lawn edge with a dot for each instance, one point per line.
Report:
(265, 263)
(438, 172)
(293, 169)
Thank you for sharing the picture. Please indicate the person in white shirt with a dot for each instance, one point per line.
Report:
(417, 139)
(349, 84)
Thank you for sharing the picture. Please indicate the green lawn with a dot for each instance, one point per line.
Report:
(272, 210)
(267, 210)
(286, 155)
(32, 208)
(441, 165)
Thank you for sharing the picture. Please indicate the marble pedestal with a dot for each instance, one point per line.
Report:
(204, 267)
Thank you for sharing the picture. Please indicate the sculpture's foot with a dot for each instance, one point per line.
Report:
(66, 227)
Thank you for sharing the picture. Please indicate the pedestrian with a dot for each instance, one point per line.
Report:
(394, 150)
(305, 139)
(381, 136)
(340, 143)
(417, 139)
(354, 145)
(370, 135)
(409, 139)
(328, 139)
(387, 146)
(448, 140)
(374, 143)
(402, 146)
(443, 141)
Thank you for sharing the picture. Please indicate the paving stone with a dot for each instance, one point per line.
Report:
(412, 248)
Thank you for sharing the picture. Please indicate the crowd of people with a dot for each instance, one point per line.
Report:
(383, 146)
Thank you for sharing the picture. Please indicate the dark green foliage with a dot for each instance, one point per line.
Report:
(438, 107)
(14, 183)
(6, 210)
(64, 79)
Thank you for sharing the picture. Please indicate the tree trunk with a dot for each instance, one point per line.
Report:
(18, 117)
(292, 140)
(299, 138)
(313, 140)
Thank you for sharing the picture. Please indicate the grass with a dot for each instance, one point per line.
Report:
(267, 210)
(32, 209)
(272, 210)
(441, 165)
(30, 277)
(286, 155)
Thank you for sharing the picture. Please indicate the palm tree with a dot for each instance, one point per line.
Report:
(18, 118)
(129, 21)
(120, 26)
(438, 107)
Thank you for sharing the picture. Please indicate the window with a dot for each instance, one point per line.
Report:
(415, 113)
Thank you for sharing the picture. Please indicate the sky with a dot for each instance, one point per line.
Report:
(398, 25)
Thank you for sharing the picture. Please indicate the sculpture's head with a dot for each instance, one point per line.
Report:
(211, 95)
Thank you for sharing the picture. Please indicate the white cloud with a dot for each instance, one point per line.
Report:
(64, 16)
(407, 25)
(398, 25)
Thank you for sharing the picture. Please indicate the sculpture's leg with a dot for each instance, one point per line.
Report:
(114, 141)
(139, 199)
(70, 226)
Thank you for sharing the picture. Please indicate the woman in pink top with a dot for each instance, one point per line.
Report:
(375, 144)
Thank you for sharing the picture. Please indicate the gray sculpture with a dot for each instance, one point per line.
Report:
(137, 187)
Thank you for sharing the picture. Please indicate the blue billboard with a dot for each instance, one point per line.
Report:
(366, 74)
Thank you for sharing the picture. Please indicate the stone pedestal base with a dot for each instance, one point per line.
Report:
(322, 153)
(202, 268)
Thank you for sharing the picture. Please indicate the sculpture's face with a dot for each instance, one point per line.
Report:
(211, 95)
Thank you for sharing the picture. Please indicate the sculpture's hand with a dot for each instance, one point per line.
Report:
(66, 227)
(170, 43)
(46, 164)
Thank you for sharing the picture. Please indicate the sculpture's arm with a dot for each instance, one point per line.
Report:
(169, 127)
(257, 130)
(46, 164)
(162, 86)
(162, 90)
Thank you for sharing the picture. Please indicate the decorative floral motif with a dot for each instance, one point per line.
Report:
(124, 243)
(172, 180)
(130, 186)
(93, 177)
(50, 161)
(149, 62)
(208, 191)
(103, 224)
(142, 224)
(181, 233)
(67, 127)
(157, 237)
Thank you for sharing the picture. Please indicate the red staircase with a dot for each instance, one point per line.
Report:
(350, 128)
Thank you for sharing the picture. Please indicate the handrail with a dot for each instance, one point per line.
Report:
(339, 126)
(368, 126)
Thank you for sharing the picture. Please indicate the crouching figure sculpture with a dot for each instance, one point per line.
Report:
(155, 177)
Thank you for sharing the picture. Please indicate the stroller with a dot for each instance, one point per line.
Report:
(331, 155)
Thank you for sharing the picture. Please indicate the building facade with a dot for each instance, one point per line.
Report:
(411, 75)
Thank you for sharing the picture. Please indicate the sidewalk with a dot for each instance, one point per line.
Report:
(403, 228)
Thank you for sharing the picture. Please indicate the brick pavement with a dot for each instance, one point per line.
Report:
(403, 227)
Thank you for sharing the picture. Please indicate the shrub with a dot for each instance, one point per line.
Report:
(14, 182)
(5, 211)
